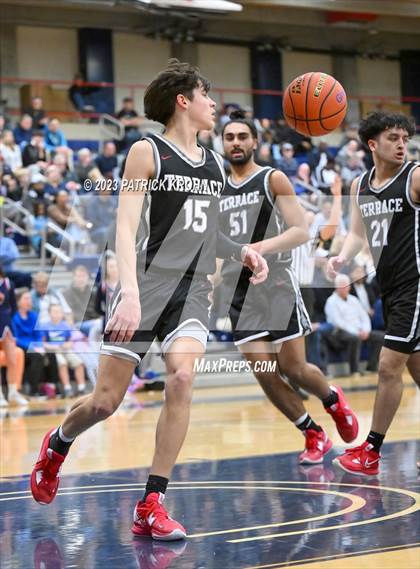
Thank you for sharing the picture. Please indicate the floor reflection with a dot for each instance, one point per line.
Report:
(239, 513)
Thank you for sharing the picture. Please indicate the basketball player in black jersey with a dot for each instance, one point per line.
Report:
(386, 211)
(260, 207)
(171, 186)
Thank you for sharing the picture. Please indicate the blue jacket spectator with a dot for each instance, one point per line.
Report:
(24, 329)
(54, 137)
(287, 163)
(23, 131)
(107, 161)
(8, 253)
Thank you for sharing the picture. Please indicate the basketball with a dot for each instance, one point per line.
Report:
(314, 104)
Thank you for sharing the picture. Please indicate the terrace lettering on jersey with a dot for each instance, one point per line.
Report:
(391, 205)
(240, 200)
(191, 185)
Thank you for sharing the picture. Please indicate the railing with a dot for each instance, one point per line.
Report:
(45, 246)
(111, 133)
(223, 95)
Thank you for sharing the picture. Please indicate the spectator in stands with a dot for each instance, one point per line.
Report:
(263, 155)
(12, 188)
(349, 150)
(55, 181)
(361, 290)
(37, 113)
(80, 296)
(325, 175)
(37, 226)
(10, 151)
(329, 222)
(67, 217)
(23, 131)
(353, 168)
(351, 324)
(100, 210)
(36, 192)
(57, 338)
(131, 121)
(302, 180)
(2, 124)
(55, 141)
(319, 155)
(34, 152)
(107, 162)
(61, 162)
(23, 176)
(11, 356)
(287, 162)
(43, 296)
(9, 253)
(85, 168)
(39, 367)
(86, 98)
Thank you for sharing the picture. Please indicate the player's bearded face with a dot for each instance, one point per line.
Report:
(391, 145)
(238, 146)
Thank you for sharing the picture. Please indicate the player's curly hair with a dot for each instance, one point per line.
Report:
(178, 78)
(239, 116)
(378, 122)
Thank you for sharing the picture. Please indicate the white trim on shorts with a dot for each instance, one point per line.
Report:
(292, 337)
(119, 352)
(172, 336)
(250, 338)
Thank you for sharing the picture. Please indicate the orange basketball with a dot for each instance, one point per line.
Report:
(314, 104)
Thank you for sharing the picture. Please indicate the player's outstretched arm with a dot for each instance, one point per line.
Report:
(139, 169)
(355, 239)
(293, 214)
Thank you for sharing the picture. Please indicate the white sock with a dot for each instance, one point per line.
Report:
(301, 419)
(63, 437)
(12, 390)
(81, 386)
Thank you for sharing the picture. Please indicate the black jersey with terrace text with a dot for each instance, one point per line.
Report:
(392, 223)
(249, 214)
(179, 220)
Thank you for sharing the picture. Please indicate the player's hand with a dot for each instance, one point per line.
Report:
(255, 263)
(334, 265)
(125, 320)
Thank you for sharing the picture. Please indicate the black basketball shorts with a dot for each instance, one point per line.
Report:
(401, 309)
(171, 307)
(273, 310)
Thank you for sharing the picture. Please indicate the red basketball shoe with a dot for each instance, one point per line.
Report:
(317, 444)
(344, 418)
(151, 519)
(362, 460)
(45, 475)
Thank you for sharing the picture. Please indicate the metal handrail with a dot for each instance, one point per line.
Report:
(45, 246)
(107, 132)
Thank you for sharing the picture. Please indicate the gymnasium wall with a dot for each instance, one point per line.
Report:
(228, 67)
(296, 63)
(47, 53)
(136, 60)
(52, 53)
